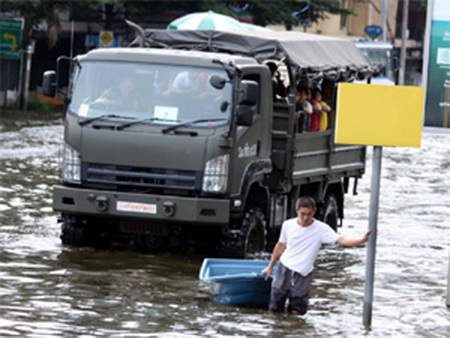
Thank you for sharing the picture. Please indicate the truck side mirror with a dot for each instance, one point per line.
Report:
(249, 93)
(49, 83)
(244, 115)
(217, 81)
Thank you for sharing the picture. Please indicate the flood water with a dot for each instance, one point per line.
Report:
(47, 289)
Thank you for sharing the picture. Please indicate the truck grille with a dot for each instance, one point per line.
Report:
(144, 180)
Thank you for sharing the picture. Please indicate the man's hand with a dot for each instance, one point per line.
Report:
(349, 242)
(365, 238)
(276, 254)
(267, 272)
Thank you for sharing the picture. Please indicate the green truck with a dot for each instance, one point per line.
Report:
(178, 143)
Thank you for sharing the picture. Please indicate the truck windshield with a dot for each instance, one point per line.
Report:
(155, 93)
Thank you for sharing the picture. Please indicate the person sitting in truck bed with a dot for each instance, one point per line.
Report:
(303, 109)
(279, 90)
(325, 109)
(314, 124)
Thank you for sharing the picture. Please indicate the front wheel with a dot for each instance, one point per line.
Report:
(251, 238)
(79, 232)
(253, 232)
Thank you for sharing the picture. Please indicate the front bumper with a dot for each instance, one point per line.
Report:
(151, 207)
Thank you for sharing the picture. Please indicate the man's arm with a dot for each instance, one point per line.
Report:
(349, 242)
(276, 254)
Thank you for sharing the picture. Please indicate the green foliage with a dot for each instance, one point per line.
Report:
(263, 12)
(37, 105)
(423, 5)
(294, 12)
(33, 105)
(34, 12)
(287, 12)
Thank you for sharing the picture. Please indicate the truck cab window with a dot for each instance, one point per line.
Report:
(164, 94)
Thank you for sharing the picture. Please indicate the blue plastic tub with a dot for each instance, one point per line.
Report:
(237, 281)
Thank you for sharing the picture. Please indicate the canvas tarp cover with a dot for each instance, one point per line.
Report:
(305, 51)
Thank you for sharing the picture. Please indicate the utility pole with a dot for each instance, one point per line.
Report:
(24, 76)
(26, 89)
(402, 70)
(383, 19)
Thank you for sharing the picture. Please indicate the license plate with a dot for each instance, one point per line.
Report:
(136, 207)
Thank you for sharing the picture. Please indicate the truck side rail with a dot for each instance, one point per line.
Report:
(317, 158)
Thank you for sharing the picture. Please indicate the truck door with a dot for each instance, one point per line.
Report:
(252, 143)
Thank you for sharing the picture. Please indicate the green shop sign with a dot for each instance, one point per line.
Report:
(437, 105)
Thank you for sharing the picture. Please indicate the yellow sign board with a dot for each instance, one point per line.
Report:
(379, 115)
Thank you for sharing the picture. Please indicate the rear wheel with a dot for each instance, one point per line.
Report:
(331, 215)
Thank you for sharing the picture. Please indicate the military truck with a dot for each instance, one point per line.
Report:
(177, 142)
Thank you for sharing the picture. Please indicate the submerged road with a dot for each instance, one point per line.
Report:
(47, 289)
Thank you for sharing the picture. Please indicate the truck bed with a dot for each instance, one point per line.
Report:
(311, 157)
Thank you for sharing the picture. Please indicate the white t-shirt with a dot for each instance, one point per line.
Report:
(181, 81)
(303, 244)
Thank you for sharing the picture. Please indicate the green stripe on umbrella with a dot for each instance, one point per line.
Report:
(207, 22)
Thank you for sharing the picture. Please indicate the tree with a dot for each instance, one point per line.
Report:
(34, 13)
(292, 12)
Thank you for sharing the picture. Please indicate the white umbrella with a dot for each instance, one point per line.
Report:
(206, 20)
(251, 27)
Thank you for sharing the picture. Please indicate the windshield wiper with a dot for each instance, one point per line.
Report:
(148, 119)
(189, 123)
(101, 117)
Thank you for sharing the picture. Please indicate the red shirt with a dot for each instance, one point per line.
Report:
(315, 118)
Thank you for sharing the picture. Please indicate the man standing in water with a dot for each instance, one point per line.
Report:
(297, 249)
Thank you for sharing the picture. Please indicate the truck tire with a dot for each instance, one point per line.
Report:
(251, 238)
(73, 232)
(331, 214)
(76, 232)
(148, 243)
(253, 232)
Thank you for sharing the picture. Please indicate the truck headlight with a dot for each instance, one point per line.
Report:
(71, 166)
(216, 174)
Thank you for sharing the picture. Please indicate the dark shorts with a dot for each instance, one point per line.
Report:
(291, 285)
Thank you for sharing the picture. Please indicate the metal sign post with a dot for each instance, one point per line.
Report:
(372, 242)
(448, 282)
(369, 128)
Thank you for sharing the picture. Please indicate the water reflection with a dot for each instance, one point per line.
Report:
(50, 290)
